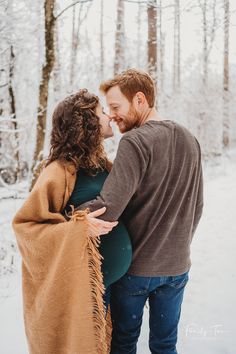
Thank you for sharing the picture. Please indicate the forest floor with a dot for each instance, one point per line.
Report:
(207, 323)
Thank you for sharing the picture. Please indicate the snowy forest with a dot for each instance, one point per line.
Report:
(52, 48)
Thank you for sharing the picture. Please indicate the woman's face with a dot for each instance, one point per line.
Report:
(104, 121)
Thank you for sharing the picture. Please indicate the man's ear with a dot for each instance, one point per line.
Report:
(140, 97)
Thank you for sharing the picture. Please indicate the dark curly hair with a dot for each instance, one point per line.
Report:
(76, 133)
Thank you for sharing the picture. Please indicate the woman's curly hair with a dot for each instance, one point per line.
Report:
(76, 133)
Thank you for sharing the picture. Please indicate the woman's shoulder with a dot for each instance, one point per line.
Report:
(58, 166)
(55, 173)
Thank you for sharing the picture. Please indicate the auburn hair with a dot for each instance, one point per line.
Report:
(76, 133)
(130, 82)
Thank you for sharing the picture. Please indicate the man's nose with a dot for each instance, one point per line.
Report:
(111, 116)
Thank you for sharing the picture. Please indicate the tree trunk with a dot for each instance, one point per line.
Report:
(10, 87)
(76, 41)
(73, 49)
(226, 77)
(205, 58)
(43, 88)
(119, 38)
(13, 111)
(176, 76)
(208, 33)
(139, 34)
(57, 68)
(152, 39)
(101, 41)
(161, 48)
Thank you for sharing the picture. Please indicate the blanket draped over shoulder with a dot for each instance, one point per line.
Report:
(61, 271)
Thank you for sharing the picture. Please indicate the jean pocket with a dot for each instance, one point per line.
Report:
(178, 281)
(133, 285)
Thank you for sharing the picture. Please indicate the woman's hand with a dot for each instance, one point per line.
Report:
(97, 227)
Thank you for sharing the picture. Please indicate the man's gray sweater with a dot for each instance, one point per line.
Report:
(156, 186)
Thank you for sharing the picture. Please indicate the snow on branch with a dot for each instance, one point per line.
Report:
(71, 5)
(149, 3)
(5, 130)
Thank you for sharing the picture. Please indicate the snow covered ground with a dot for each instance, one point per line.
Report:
(207, 324)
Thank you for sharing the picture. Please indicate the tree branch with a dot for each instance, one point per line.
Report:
(69, 6)
(149, 3)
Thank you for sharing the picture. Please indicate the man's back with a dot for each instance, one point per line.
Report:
(163, 212)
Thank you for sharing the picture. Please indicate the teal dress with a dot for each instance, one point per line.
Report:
(115, 247)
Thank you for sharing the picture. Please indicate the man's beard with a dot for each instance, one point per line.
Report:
(131, 121)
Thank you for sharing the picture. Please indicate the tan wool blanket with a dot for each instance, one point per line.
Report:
(61, 270)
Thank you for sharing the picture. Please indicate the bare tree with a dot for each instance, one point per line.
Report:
(10, 83)
(152, 38)
(101, 40)
(74, 46)
(119, 38)
(8, 95)
(57, 66)
(161, 48)
(209, 29)
(176, 69)
(139, 34)
(205, 46)
(43, 88)
(13, 111)
(75, 42)
(226, 77)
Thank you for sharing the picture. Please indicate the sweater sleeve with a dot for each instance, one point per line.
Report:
(123, 181)
(199, 202)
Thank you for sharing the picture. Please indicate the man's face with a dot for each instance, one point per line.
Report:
(121, 110)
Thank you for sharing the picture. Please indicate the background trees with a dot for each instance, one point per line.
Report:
(49, 49)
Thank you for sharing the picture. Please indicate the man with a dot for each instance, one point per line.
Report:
(156, 184)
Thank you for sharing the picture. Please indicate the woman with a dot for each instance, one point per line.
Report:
(62, 281)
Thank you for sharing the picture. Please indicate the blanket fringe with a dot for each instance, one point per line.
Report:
(102, 334)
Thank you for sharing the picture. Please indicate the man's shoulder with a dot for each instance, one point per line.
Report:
(130, 135)
(132, 138)
(186, 133)
(158, 133)
(145, 133)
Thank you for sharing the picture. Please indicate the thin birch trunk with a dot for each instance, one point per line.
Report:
(44, 85)
(226, 122)
(119, 38)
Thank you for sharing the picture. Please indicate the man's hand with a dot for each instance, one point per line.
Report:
(97, 227)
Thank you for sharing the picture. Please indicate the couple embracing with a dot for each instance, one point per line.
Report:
(98, 240)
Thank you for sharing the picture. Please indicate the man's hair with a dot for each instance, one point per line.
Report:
(130, 82)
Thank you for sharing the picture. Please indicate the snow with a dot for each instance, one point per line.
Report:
(207, 323)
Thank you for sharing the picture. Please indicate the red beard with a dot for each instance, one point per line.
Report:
(131, 120)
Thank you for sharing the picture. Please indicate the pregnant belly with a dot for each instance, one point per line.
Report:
(116, 250)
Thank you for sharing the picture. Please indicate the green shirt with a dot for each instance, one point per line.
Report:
(115, 247)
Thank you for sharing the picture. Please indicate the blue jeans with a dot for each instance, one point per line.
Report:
(128, 297)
